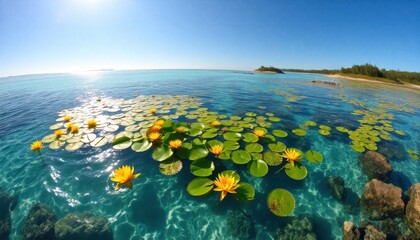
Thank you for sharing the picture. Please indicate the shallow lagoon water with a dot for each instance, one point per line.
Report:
(159, 206)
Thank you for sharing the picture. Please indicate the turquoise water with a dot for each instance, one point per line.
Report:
(159, 206)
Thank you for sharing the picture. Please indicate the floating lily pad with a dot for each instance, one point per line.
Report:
(194, 132)
(232, 136)
(240, 157)
(277, 147)
(231, 145)
(99, 142)
(225, 155)
(358, 148)
(324, 132)
(162, 153)
(280, 133)
(342, 129)
(258, 168)
(198, 125)
(236, 129)
(209, 134)
(297, 172)
(184, 151)
(49, 138)
(272, 158)
(371, 146)
(274, 119)
(250, 114)
(197, 153)
(254, 148)
(310, 123)
(202, 167)
(299, 132)
(124, 134)
(56, 126)
(268, 138)
(74, 146)
(314, 156)
(324, 127)
(245, 192)
(88, 138)
(250, 137)
(56, 144)
(111, 128)
(200, 186)
(399, 132)
(141, 145)
(122, 143)
(281, 202)
(212, 143)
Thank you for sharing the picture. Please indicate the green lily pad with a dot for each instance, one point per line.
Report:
(371, 146)
(358, 148)
(299, 132)
(161, 153)
(232, 136)
(56, 144)
(245, 192)
(202, 167)
(198, 125)
(49, 138)
(225, 155)
(232, 173)
(268, 138)
(250, 114)
(258, 168)
(280, 133)
(324, 127)
(310, 123)
(74, 146)
(212, 143)
(240, 157)
(297, 172)
(277, 147)
(264, 130)
(314, 156)
(122, 143)
(170, 167)
(274, 119)
(399, 132)
(256, 156)
(197, 153)
(342, 129)
(324, 132)
(99, 142)
(272, 158)
(200, 186)
(231, 145)
(111, 128)
(254, 148)
(56, 126)
(141, 145)
(236, 129)
(249, 137)
(281, 202)
(88, 138)
(209, 134)
(194, 132)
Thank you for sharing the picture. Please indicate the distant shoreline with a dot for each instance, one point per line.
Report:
(269, 72)
(406, 85)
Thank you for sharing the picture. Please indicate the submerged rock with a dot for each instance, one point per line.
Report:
(412, 212)
(375, 165)
(393, 150)
(39, 223)
(8, 203)
(83, 226)
(336, 186)
(391, 228)
(241, 225)
(350, 231)
(381, 200)
(371, 233)
(298, 228)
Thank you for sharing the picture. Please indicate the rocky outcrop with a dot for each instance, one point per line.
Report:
(241, 225)
(371, 233)
(375, 165)
(350, 231)
(39, 223)
(7, 204)
(412, 212)
(83, 226)
(298, 228)
(336, 186)
(381, 200)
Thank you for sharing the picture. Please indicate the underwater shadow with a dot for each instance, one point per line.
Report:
(146, 209)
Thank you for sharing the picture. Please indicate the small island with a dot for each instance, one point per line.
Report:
(270, 69)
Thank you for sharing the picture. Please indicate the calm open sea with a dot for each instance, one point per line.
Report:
(158, 206)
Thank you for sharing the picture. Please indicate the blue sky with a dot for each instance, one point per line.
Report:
(39, 36)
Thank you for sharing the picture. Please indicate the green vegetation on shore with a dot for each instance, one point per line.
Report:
(269, 69)
(371, 72)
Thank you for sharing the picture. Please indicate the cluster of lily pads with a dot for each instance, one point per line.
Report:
(288, 95)
(207, 139)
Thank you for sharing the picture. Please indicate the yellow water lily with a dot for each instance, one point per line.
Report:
(259, 133)
(180, 129)
(152, 110)
(292, 155)
(91, 123)
(74, 128)
(216, 149)
(215, 123)
(58, 133)
(225, 184)
(37, 146)
(153, 136)
(175, 144)
(155, 128)
(67, 118)
(123, 176)
(159, 122)
(69, 125)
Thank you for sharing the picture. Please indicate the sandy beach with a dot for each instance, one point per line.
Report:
(406, 85)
